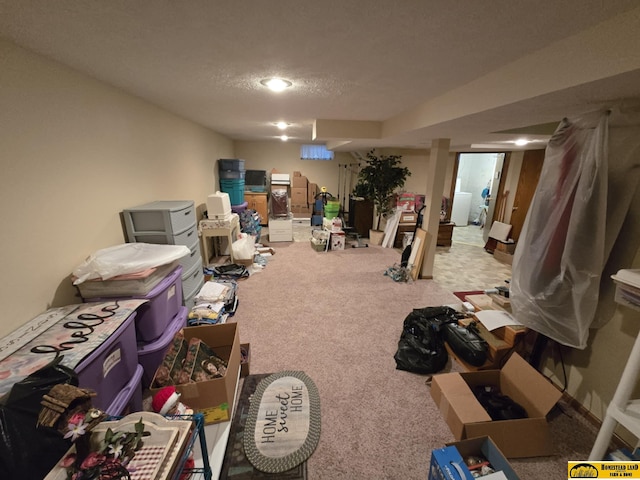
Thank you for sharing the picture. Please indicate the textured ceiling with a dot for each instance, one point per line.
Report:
(412, 70)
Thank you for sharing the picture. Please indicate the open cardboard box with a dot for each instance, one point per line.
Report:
(526, 437)
(213, 398)
(484, 447)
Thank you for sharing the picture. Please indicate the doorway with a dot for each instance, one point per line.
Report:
(476, 178)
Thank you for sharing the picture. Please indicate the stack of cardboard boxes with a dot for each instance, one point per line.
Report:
(303, 194)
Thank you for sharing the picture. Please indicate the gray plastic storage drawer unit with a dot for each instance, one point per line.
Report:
(166, 222)
(171, 223)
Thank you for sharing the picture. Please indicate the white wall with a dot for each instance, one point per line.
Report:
(475, 171)
(74, 153)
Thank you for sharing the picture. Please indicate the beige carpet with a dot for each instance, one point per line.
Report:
(335, 316)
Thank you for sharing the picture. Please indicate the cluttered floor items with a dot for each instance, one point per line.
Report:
(498, 394)
(216, 301)
(421, 348)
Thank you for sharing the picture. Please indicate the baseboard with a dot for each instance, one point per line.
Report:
(616, 441)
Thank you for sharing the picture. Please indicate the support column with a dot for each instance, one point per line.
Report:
(438, 159)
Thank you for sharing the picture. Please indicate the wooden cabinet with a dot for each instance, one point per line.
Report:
(258, 201)
(361, 216)
(400, 233)
(445, 231)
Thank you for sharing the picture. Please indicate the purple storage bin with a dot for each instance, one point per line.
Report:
(239, 208)
(150, 355)
(129, 399)
(109, 367)
(164, 302)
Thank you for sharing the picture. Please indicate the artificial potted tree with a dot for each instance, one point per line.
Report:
(377, 181)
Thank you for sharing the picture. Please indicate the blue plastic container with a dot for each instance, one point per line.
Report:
(235, 189)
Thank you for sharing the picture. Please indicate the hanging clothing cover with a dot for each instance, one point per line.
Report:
(561, 250)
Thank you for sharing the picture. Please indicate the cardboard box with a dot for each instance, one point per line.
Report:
(527, 437)
(244, 363)
(312, 191)
(298, 196)
(406, 201)
(338, 240)
(300, 216)
(448, 464)
(214, 398)
(484, 447)
(299, 181)
(506, 247)
(410, 218)
(280, 179)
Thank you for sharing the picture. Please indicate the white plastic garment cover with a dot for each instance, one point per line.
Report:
(560, 253)
(127, 258)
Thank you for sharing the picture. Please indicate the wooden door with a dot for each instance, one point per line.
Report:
(527, 182)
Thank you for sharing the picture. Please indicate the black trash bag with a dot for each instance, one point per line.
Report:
(439, 315)
(421, 347)
(467, 343)
(27, 451)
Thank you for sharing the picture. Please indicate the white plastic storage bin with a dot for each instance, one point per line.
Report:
(129, 399)
(280, 230)
(218, 206)
(150, 354)
(109, 367)
(164, 302)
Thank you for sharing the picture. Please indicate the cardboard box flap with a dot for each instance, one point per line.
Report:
(527, 386)
(459, 397)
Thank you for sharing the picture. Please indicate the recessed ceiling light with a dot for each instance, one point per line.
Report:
(276, 84)
(282, 125)
(284, 138)
(521, 142)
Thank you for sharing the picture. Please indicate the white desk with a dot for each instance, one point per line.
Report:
(229, 228)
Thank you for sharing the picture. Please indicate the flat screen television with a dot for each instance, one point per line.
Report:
(255, 180)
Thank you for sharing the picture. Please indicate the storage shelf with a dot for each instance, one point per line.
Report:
(203, 471)
(622, 410)
(629, 416)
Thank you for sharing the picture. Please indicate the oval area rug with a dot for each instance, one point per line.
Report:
(283, 426)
